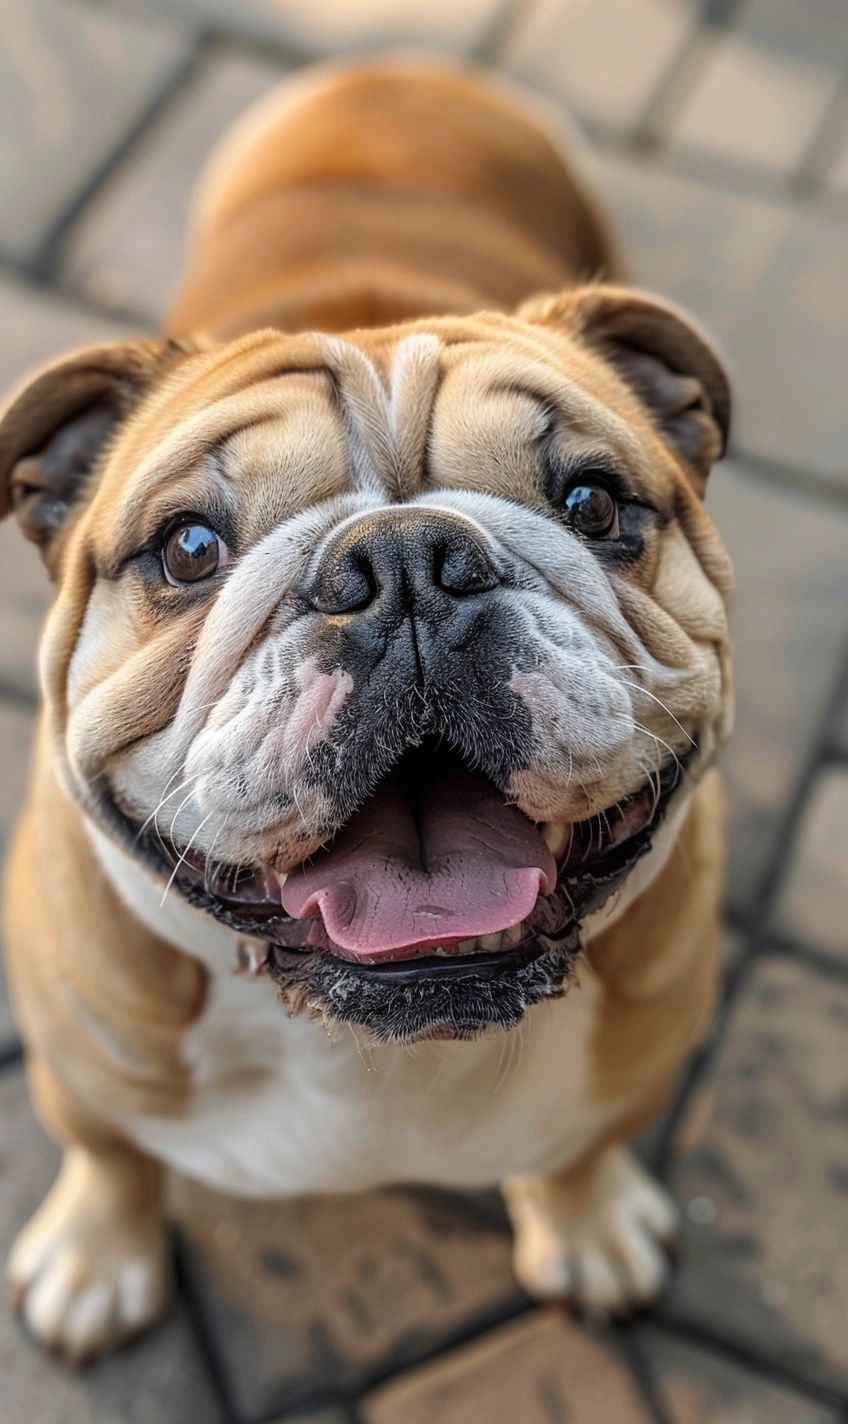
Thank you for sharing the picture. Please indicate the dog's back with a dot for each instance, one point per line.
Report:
(380, 191)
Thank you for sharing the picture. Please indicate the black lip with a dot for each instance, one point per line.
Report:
(403, 1004)
(431, 966)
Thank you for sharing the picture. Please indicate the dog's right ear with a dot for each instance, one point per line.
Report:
(56, 425)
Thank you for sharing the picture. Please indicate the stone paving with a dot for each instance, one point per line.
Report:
(719, 136)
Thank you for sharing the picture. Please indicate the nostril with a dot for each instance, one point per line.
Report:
(366, 578)
(461, 567)
(347, 585)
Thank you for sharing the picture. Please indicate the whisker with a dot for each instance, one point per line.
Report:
(209, 863)
(166, 796)
(182, 858)
(660, 742)
(363, 1051)
(667, 710)
(184, 802)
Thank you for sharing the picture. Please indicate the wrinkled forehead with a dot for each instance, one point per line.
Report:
(298, 419)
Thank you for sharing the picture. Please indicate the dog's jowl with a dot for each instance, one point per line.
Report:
(388, 661)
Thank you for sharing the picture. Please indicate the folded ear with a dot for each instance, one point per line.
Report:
(662, 356)
(56, 424)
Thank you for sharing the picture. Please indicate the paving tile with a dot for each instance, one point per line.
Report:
(788, 630)
(128, 249)
(698, 1386)
(321, 1416)
(16, 728)
(24, 596)
(337, 26)
(768, 83)
(15, 737)
(35, 327)
(813, 904)
(322, 1294)
(841, 729)
(539, 1370)
(601, 61)
(157, 1381)
(771, 283)
(836, 170)
(764, 1178)
(73, 78)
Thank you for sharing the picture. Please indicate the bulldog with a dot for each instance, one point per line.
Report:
(382, 690)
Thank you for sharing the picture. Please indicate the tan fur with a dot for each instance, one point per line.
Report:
(388, 192)
(395, 205)
(90, 1016)
(658, 967)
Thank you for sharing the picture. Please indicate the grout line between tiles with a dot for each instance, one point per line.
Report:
(13, 694)
(211, 1360)
(11, 1055)
(810, 175)
(43, 265)
(689, 1331)
(683, 70)
(506, 24)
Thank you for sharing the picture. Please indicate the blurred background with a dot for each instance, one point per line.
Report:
(718, 132)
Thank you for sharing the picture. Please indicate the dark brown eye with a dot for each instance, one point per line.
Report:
(192, 552)
(592, 511)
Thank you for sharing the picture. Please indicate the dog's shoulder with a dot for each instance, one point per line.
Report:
(99, 997)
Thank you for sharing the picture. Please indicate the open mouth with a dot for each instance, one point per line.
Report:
(439, 908)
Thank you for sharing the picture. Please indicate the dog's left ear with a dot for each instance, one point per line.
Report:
(55, 425)
(661, 355)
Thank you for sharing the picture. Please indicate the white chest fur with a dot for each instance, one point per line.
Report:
(279, 1108)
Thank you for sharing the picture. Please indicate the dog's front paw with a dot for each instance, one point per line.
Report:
(601, 1243)
(90, 1270)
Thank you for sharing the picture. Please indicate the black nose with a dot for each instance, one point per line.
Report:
(412, 560)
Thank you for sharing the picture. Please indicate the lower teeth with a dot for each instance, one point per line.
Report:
(502, 939)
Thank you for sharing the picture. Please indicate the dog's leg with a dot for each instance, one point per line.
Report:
(594, 1234)
(91, 1268)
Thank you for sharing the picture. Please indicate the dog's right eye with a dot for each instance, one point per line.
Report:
(592, 509)
(191, 552)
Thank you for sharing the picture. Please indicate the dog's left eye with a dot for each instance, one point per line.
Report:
(191, 552)
(592, 510)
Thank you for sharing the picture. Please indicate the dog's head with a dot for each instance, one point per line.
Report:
(391, 650)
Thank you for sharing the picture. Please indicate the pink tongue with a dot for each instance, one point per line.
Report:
(468, 865)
